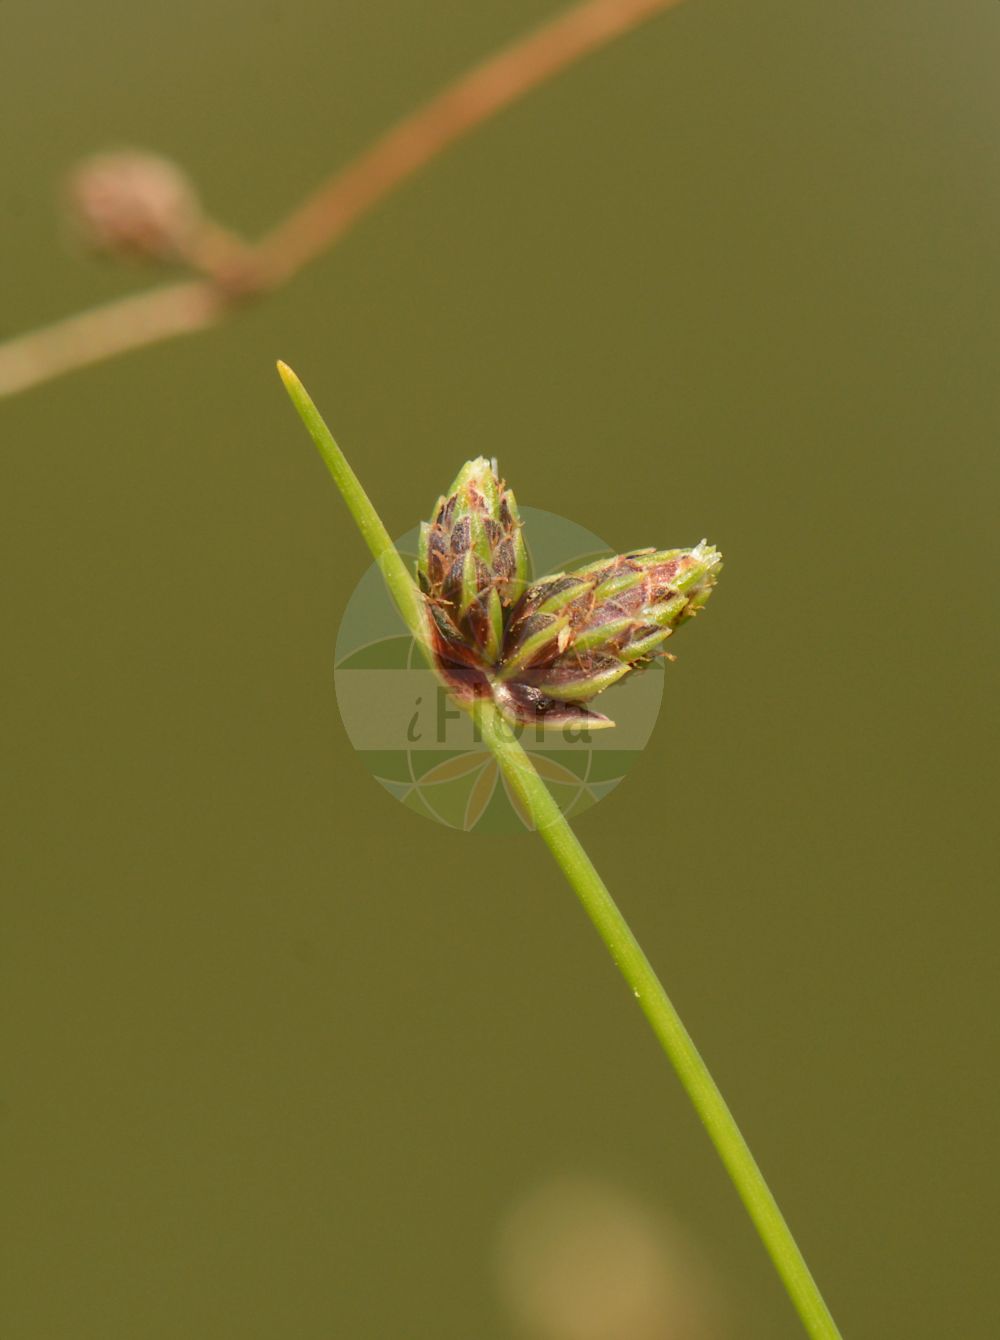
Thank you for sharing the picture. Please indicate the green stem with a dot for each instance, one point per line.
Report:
(612, 927)
(401, 585)
(666, 1023)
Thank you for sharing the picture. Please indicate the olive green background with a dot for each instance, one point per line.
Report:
(280, 1056)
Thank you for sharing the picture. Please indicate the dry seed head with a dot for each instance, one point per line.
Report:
(135, 205)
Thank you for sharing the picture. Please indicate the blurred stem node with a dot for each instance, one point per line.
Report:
(137, 205)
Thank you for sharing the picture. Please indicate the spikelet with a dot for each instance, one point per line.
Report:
(472, 563)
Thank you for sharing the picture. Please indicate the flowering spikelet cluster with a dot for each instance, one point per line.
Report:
(544, 650)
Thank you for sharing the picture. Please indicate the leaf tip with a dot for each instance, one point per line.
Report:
(297, 393)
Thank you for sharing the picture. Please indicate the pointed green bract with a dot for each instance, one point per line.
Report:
(571, 684)
(595, 638)
(476, 487)
(519, 579)
(538, 644)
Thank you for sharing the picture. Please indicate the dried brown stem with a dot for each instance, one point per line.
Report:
(324, 217)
